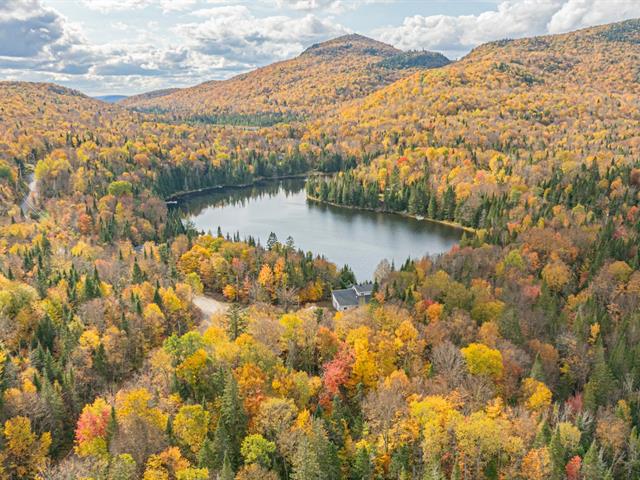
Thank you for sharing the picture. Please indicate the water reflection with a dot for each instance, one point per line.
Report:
(240, 196)
(358, 238)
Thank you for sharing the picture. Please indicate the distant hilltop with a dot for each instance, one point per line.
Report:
(323, 77)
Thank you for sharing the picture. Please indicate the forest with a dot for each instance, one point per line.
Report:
(515, 355)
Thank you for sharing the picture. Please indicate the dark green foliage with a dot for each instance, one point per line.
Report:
(415, 58)
(231, 428)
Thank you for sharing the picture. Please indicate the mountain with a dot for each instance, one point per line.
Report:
(47, 107)
(324, 76)
(36, 118)
(110, 98)
(530, 126)
(136, 99)
(559, 91)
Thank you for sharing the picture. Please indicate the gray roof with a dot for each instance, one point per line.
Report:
(346, 297)
(364, 288)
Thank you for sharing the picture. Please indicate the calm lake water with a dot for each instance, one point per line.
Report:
(360, 239)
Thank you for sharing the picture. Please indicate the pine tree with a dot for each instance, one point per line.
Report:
(157, 298)
(207, 456)
(112, 426)
(101, 363)
(237, 321)
(137, 275)
(558, 455)
(362, 466)
(232, 425)
(537, 372)
(52, 415)
(226, 473)
(593, 466)
(306, 465)
(46, 332)
(432, 209)
(272, 241)
(601, 382)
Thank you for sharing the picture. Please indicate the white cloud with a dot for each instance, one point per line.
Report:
(182, 42)
(583, 13)
(235, 33)
(106, 6)
(167, 6)
(27, 28)
(456, 35)
(333, 6)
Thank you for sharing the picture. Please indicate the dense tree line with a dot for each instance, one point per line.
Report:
(513, 355)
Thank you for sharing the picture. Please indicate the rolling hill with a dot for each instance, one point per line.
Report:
(322, 77)
(530, 93)
(514, 355)
(516, 125)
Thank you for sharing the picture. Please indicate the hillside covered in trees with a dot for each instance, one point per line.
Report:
(322, 77)
(514, 355)
(562, 111)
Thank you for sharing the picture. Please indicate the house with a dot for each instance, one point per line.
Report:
(348, 298)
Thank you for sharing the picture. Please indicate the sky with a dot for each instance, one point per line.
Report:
(133, 46)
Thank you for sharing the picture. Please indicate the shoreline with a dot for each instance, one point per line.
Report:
(185, 195)
(420, 218)
(175, 197)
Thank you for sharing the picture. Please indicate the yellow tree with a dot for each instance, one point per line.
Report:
(482, 360)
(536, 464)
(191, 425)
(480, 438)
(24, 454)
(435, 416)
(141, 425)
(170, 464)
(538, 396)
(365, 370)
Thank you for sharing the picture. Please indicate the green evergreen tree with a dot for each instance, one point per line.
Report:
(112, 426)
(226, 473)
(237, 321)
(347, 277)
(432, 208)
(305, 462)
(137, 275)
(232, 425)
(362, 466)
(272, 241)
(558, 455)
(52, 416)
(207, 457)
(593, 466)
(601, 382)
(537, 371)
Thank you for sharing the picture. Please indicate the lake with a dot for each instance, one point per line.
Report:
(360, 239)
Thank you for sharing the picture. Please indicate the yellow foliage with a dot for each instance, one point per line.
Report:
(482, 360)
(537, 394)
(137, 404)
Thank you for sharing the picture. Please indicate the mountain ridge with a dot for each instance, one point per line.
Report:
(322, 76)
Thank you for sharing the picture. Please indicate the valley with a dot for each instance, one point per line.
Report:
(151, 326)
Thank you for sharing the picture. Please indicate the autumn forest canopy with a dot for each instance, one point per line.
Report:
(515, 355)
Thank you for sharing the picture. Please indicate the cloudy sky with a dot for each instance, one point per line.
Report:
(131, 46)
